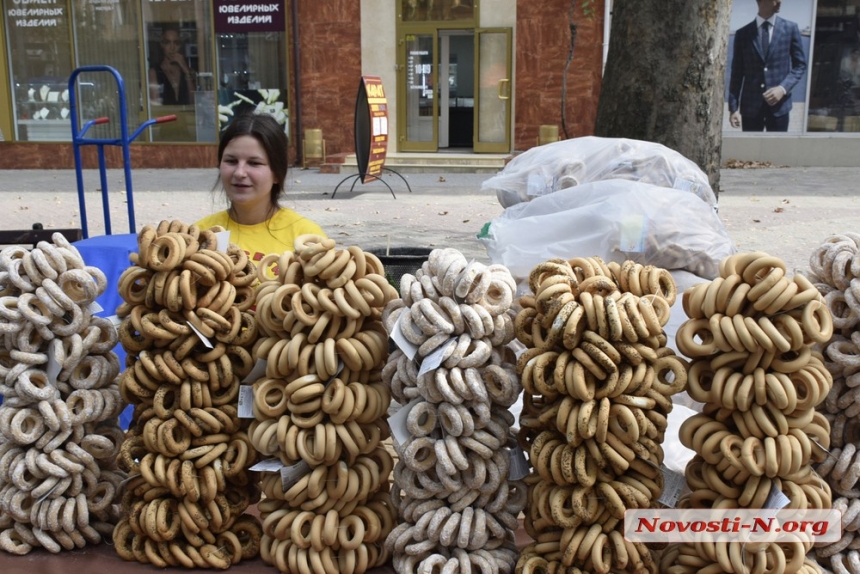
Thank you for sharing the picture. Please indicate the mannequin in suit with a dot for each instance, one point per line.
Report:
(761, 82)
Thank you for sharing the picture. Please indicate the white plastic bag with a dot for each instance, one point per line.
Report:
(615, 220)
(561, 165)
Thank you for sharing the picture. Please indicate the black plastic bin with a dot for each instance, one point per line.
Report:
(401, 260)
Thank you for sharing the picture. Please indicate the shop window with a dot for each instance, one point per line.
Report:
(108, 34)
(40, 57)
(437, 10)
(251, 55)
(834, 101)
(179, 69)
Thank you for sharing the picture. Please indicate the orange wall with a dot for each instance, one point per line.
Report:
(330, 62)
(543, 40)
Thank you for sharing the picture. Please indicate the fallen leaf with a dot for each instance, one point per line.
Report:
(740, 164)
(778, 210)
(756, 220)
(786, 201)
(441, 179)
(24, 208)
(443, 213)
(465, 221)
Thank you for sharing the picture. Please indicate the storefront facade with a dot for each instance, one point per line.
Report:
(204, 61)
(460, 75)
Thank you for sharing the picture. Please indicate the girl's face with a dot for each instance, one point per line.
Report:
(170, 42)
(245, 173)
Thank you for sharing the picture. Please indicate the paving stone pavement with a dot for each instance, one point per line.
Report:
(787, 212)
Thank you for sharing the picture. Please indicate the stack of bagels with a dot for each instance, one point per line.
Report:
(321, 408)
(750, 336)
(456, 502)
(598, 380)
(187, 332)
(58, 420)
(835, 272)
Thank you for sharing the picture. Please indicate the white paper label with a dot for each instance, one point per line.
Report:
(200, 335)
(268, 465)
(94, 307)
(409, 349)
(115, 320)
(673, 485)
(258, 372)
(633, 233)
(434, 359)
(246, 402)
(397, 421)
(292, 474)
(223, 240)
(519, 464)
(53, 369)
(776, 499)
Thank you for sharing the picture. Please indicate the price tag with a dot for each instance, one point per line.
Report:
(53, 368)
(633, 233)
(290, 475)
(258, 372)
(409, 348)
(776, 499)
(223, 240)
(246, 402)
(673, 485)
(397, 421)
(434, 359)
(200, 335)
(268, 465)
(519, 464)
(115, 320)
(94, 307)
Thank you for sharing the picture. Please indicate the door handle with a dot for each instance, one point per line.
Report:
(502, 83)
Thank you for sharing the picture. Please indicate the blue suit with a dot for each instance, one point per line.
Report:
(753, 72)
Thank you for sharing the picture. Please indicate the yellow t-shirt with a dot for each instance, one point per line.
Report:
(273, 236)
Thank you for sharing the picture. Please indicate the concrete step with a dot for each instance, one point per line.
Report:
(434, 163)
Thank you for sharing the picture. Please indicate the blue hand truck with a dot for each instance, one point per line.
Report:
(79, 139)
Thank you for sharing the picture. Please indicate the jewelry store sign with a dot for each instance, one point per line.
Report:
(37, 13)
(239, 16)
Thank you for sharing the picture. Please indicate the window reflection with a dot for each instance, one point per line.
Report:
(835, 94)
(179, 77)
(445, 10)
(247, 81)
(40, 55)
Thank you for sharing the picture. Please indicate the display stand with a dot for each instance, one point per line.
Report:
(356, 177)
(371, 135)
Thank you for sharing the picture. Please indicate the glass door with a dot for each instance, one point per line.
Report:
(493, 102)
(419, 115)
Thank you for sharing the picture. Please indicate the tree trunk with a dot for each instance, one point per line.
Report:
(665, 77)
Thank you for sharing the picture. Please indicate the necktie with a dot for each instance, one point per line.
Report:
(765, 37)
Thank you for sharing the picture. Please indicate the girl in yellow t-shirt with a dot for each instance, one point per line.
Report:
(252, 160)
